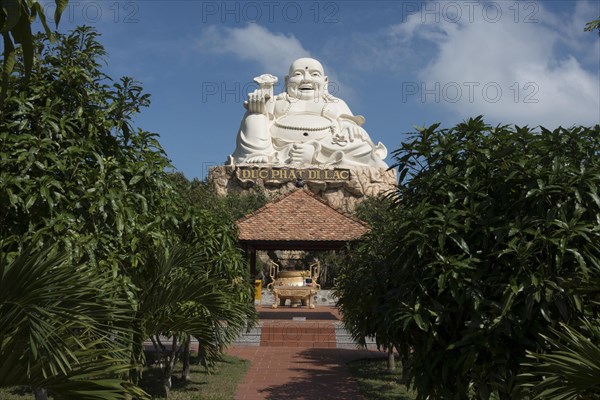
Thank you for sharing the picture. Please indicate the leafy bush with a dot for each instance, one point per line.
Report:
(75, 175)
(490, 242)
(73, 169)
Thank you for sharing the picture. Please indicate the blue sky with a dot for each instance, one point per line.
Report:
(401, 64)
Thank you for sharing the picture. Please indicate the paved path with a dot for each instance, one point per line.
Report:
(299, 372)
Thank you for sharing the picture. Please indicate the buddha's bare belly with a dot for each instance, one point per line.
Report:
(300, 128)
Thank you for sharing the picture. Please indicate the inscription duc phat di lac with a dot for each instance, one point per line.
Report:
(289, 174)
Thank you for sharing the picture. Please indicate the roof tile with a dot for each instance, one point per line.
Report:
(300, 216)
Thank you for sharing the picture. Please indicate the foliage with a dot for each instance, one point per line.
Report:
(571, 368)
(72, 168)
(16, 17)
(74, 172)
(204, 196)
(209, 226)
(178, 293)
(55, 320)
(366, 275)
(593, 25)
(491, 235)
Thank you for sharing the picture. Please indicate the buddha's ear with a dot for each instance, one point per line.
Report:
(287, 78)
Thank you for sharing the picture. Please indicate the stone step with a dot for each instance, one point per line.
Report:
(320, 327)
(312, 334)
(344, 339)
(298, 334)
(320, 334)
(250, 338)
(299, 343)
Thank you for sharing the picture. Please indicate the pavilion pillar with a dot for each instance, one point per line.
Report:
(252, 253)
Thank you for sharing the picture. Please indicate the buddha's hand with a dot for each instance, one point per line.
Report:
(302, 153)
(257, 102)
(353, 132)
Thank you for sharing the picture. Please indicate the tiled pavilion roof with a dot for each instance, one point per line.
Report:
(299, 217)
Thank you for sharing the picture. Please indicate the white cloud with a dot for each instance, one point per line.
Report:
(508, 70)
(272, 51)
(530, 66)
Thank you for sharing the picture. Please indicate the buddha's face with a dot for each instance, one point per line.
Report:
(306, 79)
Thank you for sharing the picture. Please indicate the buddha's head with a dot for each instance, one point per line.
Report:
(306, 79)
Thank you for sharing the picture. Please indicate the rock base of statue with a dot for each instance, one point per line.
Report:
(341, 188)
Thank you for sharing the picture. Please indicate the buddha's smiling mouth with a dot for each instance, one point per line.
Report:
(306, 88)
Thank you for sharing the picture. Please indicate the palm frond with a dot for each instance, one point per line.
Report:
(64, 327)
(181, 296)
(571, 370)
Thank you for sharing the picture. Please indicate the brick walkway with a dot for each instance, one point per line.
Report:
(305, 366)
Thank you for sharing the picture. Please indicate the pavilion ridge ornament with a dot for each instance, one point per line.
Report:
(304, 125)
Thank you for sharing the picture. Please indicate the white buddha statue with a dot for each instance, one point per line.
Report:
(305, 125)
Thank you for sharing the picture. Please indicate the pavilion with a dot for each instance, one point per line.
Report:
(298, 220)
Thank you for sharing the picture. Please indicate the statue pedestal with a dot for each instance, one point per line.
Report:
(341, 188)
